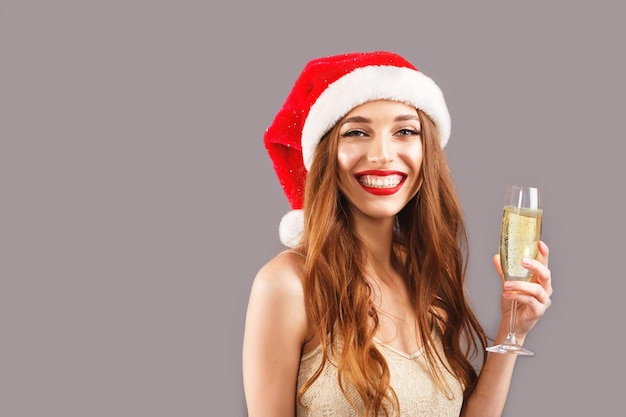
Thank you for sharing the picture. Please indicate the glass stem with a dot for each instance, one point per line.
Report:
(511, 336)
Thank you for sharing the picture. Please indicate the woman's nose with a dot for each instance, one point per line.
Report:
(381, 151)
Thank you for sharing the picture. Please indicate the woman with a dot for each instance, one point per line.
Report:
(366, 314)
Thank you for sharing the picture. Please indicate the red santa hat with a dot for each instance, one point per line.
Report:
(327, 89)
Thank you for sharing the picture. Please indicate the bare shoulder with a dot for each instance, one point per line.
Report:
(282, 274)
(276, 307)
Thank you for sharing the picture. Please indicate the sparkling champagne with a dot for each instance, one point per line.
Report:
(519, 238)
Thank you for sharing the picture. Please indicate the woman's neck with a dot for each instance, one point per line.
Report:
(377, 235)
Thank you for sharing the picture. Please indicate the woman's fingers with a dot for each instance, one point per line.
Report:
(544, 251)
(534, 295)
(540, 272)
(527, 292)
(539, 268)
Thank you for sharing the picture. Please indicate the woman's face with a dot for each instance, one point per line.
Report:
(379, 157)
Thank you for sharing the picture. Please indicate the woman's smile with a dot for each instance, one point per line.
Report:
(380, 182)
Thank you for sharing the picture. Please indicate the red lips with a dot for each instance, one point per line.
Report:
(381, 182)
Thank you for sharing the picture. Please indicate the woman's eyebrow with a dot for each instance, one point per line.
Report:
(357, 119)
(361, 119)
(404, 117)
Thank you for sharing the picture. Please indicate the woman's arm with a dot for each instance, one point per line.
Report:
(533, 299)
(275, 330)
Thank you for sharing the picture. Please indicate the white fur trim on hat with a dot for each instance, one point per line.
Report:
(373, 83)
(291, 228)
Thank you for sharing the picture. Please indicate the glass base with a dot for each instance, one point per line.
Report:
(510, 348)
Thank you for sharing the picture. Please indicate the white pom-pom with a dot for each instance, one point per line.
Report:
(291, 228)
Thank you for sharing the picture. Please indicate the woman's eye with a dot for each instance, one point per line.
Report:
(409, 132)
(353, 133)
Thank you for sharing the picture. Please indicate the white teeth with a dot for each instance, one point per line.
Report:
(374, 181)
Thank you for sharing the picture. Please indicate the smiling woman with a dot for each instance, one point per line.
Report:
(379, 157)
(365, 313)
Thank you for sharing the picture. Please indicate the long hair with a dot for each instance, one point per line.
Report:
(430, 242)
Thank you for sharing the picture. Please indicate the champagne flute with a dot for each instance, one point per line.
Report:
(520, 233)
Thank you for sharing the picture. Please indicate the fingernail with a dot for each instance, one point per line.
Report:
(508, 285)
(526, 261)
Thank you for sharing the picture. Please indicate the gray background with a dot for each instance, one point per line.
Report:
(137, 200)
